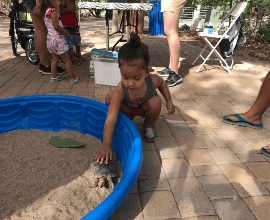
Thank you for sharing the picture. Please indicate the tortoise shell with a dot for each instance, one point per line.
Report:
(103, 170)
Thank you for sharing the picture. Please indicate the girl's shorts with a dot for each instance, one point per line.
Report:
(175, 6)
(74, 36)
(136, 112)
(57, 44)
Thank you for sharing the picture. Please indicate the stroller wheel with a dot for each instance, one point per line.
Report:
(14, 43)
(31, 52)
(12, 31)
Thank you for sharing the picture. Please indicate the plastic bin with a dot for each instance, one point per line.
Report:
(106, 70)
(208, 29)
(87, 116)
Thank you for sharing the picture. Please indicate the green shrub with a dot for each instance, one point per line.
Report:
(263, 34)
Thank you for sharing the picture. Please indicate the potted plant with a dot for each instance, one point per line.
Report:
(215, 29)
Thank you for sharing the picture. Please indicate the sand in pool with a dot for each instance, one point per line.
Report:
(40, 181)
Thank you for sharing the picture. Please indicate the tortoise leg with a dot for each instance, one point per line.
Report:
(101, 182)
(93, 182)
(110, 182)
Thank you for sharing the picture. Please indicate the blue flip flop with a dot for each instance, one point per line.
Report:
(265, 152)
(242, 122)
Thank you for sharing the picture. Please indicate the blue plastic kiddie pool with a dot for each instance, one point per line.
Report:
(59, 112)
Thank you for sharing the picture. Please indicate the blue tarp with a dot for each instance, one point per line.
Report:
(156, 26)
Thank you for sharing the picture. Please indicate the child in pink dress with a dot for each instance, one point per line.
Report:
(56, 41)
(69, 21)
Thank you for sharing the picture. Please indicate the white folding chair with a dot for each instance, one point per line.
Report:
(234, 13)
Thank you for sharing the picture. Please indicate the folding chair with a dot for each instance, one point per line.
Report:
(231, 34)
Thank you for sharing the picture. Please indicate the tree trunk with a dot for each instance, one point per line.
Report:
(136, 19)
(259, 17)
(195, 20)
(115, 21)
(97, 11)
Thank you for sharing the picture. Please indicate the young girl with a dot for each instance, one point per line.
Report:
(135, 95)
(69, 21)
(56, 41)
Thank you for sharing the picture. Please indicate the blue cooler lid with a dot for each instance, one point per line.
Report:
(109, 54)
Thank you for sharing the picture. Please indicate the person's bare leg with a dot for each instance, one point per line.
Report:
(65, 57)
(171, 22)
(151, 110)
(55, 62)
(78, 51)
(40, 35)
(262, 102)
(71, 54)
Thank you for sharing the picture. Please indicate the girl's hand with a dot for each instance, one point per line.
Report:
(68, 35)
(170, 107)
(104, 155)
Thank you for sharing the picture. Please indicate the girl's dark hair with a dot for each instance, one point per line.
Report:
(44, 5)
(134, 50)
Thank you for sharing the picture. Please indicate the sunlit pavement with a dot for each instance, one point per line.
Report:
(199, 167)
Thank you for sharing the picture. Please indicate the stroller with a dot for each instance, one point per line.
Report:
(22, 31)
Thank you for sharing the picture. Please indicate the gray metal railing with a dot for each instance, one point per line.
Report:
(188, 13)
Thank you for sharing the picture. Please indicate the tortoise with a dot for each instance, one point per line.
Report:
(103, 173)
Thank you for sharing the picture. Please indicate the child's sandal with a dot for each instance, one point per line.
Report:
(76, 80)
(58, 78)
(81, 58)
(77, 59)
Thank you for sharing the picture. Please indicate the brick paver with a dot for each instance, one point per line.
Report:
(167, 147)
(199, 157)
(206, 170)
(130, 209)
(260, 170)
(190, 197)
(159, 205)
(153, 185)
(199, 168)
(151, 167)
(243, 180)
(176, 167)
(233, 209)
(259, 205)
(195, 141)
(217, 187)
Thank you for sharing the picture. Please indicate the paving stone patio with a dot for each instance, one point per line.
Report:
(199, 168)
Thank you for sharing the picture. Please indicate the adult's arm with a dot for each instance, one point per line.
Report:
(39, 9)
(67, 6)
